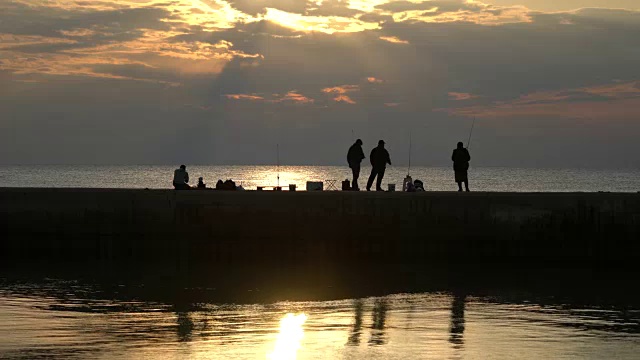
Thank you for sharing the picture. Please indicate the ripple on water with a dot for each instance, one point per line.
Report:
(59, 322)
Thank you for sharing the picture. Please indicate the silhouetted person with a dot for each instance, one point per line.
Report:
(379, 318)
(461, 160)
(185, 326)
(354, 337)
(354, 158)
(183, 318)
(181, 178)
(379, 159)
(201, 184)
(456, 328)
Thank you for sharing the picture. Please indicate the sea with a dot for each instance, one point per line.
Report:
(500, 179)
(74, 315)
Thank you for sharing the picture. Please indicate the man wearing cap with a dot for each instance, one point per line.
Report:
(354, 158)
(379, 159)
(181, 178)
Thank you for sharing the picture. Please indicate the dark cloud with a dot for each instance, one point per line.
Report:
(376, 18)
(26, 20)
(519, 58)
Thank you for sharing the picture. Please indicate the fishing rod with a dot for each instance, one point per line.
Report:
(409, 169)
(471, 132)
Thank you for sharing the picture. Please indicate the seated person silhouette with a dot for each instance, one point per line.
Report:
(201, 184)
(226, 185)
(181, 178)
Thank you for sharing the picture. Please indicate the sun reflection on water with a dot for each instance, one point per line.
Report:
(289, 337)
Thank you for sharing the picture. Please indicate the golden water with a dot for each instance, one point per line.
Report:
(76, 324)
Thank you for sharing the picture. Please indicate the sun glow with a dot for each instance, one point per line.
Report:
(289, 337)
(366, 5)
(325, 24)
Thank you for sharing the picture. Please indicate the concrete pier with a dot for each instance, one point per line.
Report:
(236, 228)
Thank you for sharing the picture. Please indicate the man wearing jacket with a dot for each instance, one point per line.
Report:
(379, 159)
(354, 158)
(461, 160)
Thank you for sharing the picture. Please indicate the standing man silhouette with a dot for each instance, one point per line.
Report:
(354, 158)
(379, 159)
(461, 160)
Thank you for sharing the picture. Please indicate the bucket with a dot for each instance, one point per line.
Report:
(292, 187)
(392, 187)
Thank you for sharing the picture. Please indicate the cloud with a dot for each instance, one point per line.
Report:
(310, 23)
(440, 11)
(249, 69)
(343, 89)
(617, 90)
(394, 40)
(291, 97)
(619, 109)
(344, 99)
(340, 8)
(569, 5)
(12, 42)
(39, 19)
(458, 96)
(243, 97)
(52, 39)
(340, 93)
(294, 97)
(255, 7)
(580, 102)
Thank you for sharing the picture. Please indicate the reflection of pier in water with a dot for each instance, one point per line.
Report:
(185, 326)
(377, 328)
(378, 319)
(354, 336)
(456, 329)
(103, 319)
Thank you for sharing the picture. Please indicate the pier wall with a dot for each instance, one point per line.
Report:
(153, 226)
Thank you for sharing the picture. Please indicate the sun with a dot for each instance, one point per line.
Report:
(289, 338)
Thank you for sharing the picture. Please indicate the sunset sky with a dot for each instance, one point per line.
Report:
(550, 83)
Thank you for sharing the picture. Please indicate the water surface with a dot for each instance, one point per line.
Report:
(65, 319)
(434, 178)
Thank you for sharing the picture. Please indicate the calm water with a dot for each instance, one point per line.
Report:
(64, 319)
(435, 178)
